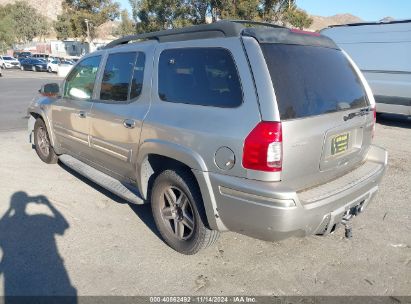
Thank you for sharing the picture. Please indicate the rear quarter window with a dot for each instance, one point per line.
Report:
(311, 80)
(199, 76)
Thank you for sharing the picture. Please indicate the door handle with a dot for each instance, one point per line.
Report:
(82, 114)
(129, 123)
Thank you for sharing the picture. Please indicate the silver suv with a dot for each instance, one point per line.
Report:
(257, 129)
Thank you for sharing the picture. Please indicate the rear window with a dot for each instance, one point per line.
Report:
(117, 76)
(123, 76)
(312, 80)
(199, 76)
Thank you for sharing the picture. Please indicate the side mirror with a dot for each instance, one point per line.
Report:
(50, 90)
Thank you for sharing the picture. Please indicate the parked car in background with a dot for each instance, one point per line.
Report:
(52, 58)
(23, 55)
(33, 64)
(382, 50)
(52, 66)
(8, 62)
(64, 68)
(40, 56)
(220, 127)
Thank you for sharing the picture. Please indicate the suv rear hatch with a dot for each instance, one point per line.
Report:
(327, 121)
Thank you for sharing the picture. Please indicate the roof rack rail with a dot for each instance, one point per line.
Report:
(381, 22)
(254, 23)
(214, 30)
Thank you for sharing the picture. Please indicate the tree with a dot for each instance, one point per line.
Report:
(297, 18)
(273, 10)
(7, 37)
(63, 27)
(20, 22)
(236, 9)
(161, 14)
(72, 21)
(126, 26)
(152, 15)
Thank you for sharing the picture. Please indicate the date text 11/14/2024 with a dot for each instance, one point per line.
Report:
(203, 299)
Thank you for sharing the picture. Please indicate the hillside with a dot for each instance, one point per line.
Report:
(320, 22)
(48, 8)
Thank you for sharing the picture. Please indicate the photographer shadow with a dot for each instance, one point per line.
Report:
(30, 262)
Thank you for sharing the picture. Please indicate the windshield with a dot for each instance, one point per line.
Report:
(8, 58)
(311, 80)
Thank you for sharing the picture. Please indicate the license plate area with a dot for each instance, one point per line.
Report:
(339, 143)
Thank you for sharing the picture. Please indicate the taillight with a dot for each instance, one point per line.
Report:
(375, 120)
(263, 147)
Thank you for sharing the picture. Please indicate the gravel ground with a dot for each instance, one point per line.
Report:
(59, 232)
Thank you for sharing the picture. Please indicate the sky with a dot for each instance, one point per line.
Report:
(368, 10)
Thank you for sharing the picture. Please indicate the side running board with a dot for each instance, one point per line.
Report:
(128, 192)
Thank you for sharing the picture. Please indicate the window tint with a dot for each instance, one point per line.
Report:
(312, 80)
(201, 76)
(80, 82)
(117, 76)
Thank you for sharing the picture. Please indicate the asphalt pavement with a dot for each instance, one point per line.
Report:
(62, 234)
(17, 89)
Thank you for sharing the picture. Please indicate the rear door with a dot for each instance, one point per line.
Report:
(118, 113)
(326, 116)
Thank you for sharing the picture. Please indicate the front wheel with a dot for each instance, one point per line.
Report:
(33, 68)
(42, 143)
(179, 213)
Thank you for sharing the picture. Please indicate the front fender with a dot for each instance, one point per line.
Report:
(40, 107)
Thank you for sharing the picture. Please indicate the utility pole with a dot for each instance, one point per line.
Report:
(88, 24)
(88, 31)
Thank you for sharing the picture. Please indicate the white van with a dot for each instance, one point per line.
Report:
(383, 53)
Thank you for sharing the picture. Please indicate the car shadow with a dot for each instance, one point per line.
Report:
(29, 261)
(394, 120)
(142, 211)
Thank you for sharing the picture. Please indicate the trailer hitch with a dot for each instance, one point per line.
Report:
(346, 220)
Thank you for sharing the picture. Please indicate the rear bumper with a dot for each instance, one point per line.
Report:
(269, 212)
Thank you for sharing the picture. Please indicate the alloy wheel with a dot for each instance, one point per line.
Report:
(43, 141)
(177, 213)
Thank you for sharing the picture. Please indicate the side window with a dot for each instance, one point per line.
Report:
(80, 82)
(138, 74)
(123, 76)
(200, 76)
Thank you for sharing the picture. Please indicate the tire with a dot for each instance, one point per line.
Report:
(33, 68)
(22, 68)
(42, 143)
(187, 212)
(49, 70)
(4, 66)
